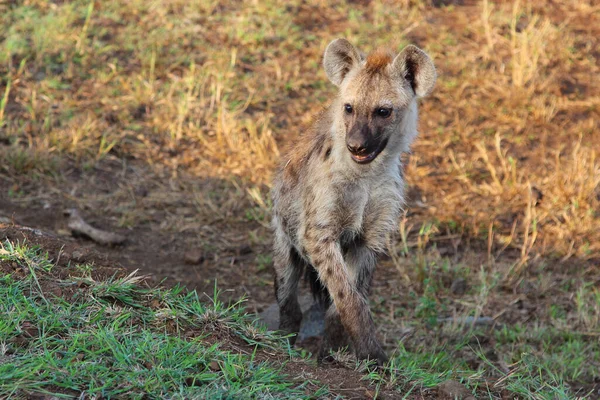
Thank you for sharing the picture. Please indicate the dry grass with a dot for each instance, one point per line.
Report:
(507, 151)
(507, 146)
(513, 148)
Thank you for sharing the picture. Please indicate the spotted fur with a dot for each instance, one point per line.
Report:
(331, 214)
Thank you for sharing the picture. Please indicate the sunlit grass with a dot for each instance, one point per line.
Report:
(222, 86)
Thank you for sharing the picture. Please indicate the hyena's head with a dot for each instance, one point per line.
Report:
(377, 96)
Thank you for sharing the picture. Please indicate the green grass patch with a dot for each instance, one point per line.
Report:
(539, 364)
(117, 338)
(66, 332)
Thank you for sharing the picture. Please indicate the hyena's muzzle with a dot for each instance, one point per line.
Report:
(365, 142)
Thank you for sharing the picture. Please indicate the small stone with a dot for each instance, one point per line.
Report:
(214, 366)
(459, 286)
(270, 317)
(312, 327)
(193, 257)
(29, 330)
(452, 390)
(313, 323)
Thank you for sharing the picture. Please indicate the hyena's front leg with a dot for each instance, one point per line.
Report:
(335, 336)
(351, 305)
(288, 271)
(361, 260)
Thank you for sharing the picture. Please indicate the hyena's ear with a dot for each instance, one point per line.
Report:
(339, 58)
(414, 65)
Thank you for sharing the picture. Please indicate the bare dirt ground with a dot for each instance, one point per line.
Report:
(164, 123)
(188, 259)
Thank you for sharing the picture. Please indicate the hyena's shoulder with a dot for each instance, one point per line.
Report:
(311, 147)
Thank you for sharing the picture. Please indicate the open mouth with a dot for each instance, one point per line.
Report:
(367, 158)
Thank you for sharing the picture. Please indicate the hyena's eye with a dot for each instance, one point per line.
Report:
(348, 108)
(383, 112)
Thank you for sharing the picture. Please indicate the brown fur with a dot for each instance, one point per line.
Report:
(378, 60)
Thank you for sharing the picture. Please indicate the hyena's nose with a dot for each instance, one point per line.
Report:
(356, 146)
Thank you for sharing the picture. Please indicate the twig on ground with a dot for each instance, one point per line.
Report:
(79, 226)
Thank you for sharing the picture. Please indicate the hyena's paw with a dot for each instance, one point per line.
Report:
(289, 323)
(372, 352)
(325, 355)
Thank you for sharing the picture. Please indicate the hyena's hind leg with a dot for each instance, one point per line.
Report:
(288, 272)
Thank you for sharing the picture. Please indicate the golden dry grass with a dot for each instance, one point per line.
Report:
(508, 147)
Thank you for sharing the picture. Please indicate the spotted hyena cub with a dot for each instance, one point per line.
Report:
(340, 190)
